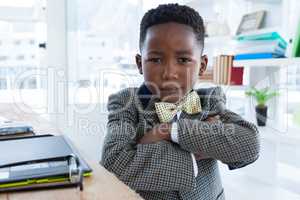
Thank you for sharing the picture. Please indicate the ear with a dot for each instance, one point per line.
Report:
(204, 61)
(138, 61)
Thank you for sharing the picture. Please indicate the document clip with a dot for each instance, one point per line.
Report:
(75, 171)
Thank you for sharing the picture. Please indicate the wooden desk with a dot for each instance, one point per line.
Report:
(101, 185)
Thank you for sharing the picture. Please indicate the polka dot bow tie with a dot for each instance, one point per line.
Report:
(190, 104)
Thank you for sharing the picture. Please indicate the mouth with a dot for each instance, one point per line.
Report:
(170, 91)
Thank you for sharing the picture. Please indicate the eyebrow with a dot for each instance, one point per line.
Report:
(155, 52)
(183, 52)
(179, 52)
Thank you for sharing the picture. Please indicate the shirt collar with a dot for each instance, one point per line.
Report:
(144, 95)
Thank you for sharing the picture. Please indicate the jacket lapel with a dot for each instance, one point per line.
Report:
(146, 110)
(149, 113)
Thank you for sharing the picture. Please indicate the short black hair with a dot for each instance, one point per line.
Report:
(172, 13)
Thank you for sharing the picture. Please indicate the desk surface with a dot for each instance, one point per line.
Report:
(101, 185)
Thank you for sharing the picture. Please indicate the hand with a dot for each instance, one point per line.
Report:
(158, 133)
(200, 156)
(212, 118)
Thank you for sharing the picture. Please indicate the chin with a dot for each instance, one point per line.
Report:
(172, 96)
(170, 99)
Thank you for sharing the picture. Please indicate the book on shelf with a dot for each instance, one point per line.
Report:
(221, 69)
(266, 55)
(260, 45)
(262, 36)
(224, 73)
(273, 46)
(236, 76)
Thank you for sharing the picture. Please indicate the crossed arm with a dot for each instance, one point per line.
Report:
(148, 167)
(225, 137)
(152, 163)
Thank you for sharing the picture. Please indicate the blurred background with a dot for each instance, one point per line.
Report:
(62, 59)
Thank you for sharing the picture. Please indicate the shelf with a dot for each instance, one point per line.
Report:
(275, 62)
(235, 87)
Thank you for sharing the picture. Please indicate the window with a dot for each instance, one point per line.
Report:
(17, 42)
(3, 80)
(22, 28)
(32, 42)
(293, 111)
(20, 57)
(108, 57)
(3, 84)
(3, 58)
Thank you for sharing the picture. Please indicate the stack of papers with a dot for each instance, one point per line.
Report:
(14, 129)
(260, 46)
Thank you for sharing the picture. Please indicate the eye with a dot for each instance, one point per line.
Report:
(184, 60)
(155, 60)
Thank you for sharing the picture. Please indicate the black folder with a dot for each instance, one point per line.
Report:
(40, 162)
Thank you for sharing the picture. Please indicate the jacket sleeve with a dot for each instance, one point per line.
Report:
(231, 139)
(161, 166)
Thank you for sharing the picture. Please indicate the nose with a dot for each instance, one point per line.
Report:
(169, 71)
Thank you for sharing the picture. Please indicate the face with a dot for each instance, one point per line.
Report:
(171, 60)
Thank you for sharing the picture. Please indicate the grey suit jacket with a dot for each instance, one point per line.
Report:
(164, 170)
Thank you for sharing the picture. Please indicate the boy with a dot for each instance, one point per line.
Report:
(164, 138)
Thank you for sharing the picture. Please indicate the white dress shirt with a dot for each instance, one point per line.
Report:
(174, 138)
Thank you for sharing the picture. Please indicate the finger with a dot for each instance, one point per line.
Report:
(146, 140)
(214, 115)
(209, 119)
(165, 127)
(217, 117)
(213, 118)
(200, 156)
